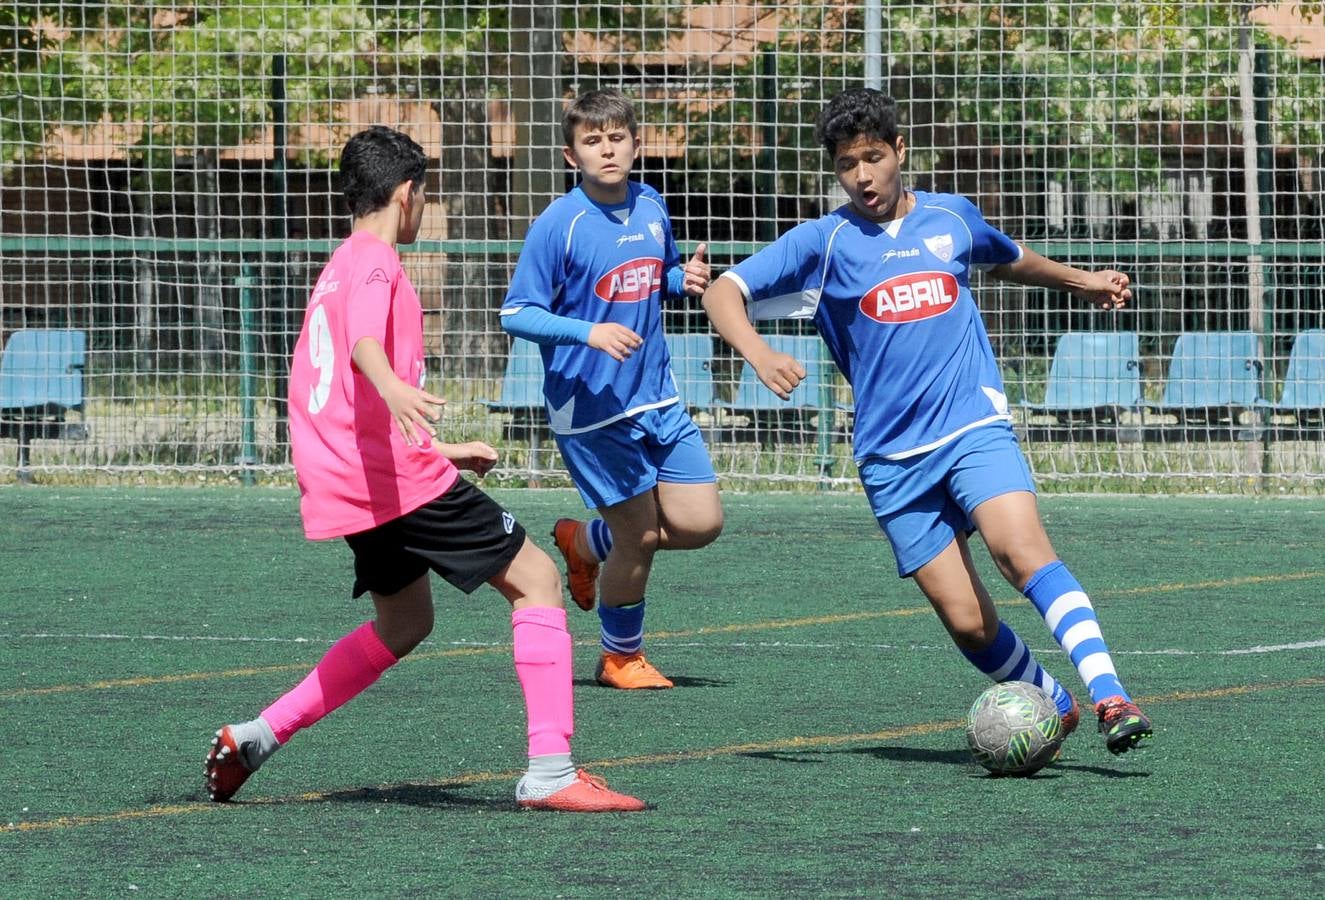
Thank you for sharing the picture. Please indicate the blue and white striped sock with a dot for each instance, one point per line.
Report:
(622, 627)
(599, 538)
(1009, 659)
(1067, 611)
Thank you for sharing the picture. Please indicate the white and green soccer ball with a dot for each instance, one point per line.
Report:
(1013, 728)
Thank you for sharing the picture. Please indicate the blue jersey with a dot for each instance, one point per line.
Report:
(581, 261)
(893, 303)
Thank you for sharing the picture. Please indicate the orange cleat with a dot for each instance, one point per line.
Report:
(581, 573)
(1072, 718)
(225, 767)
(587, 793)
(629, 672)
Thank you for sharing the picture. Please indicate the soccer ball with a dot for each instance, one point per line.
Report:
(1014, 729)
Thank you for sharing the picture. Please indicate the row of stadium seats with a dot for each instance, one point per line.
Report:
(1213, 386)
(1213, 390)
(752, 413)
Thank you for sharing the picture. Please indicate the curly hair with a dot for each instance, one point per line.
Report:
(374, 163)
(859, 112)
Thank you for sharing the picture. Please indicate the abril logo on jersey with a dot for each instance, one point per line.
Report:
(910, 297)
(631, 281)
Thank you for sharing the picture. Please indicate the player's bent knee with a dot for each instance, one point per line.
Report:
(402, 635)
(531, 579)
(974, 635)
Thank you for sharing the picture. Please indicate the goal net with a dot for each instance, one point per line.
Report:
(169, 193)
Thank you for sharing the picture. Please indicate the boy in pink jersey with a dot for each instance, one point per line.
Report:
(371, 470)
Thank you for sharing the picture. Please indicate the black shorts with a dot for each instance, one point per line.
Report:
(464, 536)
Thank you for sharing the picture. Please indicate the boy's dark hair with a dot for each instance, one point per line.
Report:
(859, 112)
(598, 110)
(374, 163)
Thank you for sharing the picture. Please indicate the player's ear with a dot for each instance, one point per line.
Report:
(569, 155)
(900, 147)
(403, 194)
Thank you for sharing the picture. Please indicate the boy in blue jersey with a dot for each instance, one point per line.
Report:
(588, 288)
(885, 279)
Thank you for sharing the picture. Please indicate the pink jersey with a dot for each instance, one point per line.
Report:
(354, 469)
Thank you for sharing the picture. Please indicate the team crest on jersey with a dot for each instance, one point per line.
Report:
(655, 229)
(910, 297)
(941, 246)
(631, 281)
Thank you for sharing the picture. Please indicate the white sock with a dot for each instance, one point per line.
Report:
(256, 741)
(545, 776)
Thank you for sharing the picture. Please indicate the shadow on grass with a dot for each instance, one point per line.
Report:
(681, 681)
(929, 756)
(427, 796)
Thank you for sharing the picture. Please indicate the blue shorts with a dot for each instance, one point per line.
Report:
(924, 501)
(609, 465)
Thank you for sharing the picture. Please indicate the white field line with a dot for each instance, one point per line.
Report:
(661, 642)
(1168, 651)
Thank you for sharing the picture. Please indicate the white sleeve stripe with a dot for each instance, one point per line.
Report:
(740, 283)
(828, 254)
(570, 231)
(796, 305)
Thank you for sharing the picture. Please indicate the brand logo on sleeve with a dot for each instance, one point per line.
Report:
(378, 276)
(631, 281)
(910, 297)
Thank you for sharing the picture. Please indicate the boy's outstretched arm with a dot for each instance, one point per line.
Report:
(536, 324)
(780, 372)
(1106, 288)
(411, 407)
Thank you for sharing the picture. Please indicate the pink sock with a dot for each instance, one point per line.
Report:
(351, 665)
(543, 664)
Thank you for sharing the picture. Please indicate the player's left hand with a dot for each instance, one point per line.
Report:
(1107, 289)
(474, 456)
(696, 272)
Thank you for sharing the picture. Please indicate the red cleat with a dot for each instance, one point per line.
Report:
(225, 769)
(587, 793)
(1122, 723)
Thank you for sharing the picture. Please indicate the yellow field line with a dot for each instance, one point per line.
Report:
(737, 628)
(813, 742)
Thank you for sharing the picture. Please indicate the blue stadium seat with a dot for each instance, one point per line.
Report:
(41, 380)
(522, 385)
(522, 396)
(772, 419)
(692, 367)
(1304, 382)
(43, 368)
(1213, 370)
(1093, 374)
(808, 349)
(1214, 377)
